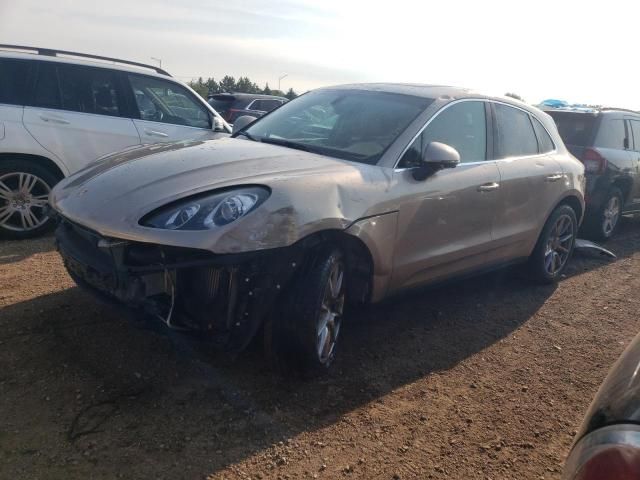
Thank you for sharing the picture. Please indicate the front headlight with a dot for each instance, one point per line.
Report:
(208, 211)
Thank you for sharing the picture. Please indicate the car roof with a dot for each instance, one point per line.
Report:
(441, 93)
(232, 95)
(150, 70)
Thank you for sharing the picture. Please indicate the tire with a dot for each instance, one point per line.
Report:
(24, 188)
(301, 336)
(602, 225)
(552, 251)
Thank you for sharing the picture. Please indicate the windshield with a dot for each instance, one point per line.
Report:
(348, 124)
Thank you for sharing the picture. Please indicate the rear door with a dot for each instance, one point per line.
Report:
(531, 182)
(78, 113)
(167, 111)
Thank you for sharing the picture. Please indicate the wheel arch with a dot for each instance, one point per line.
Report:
(48, 163)
(359, 260)
(625, 185)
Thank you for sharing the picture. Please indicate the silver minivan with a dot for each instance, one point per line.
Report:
(345, 195)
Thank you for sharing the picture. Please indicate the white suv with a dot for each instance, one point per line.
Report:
(58, 113)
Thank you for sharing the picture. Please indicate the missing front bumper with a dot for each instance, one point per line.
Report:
(223, 297)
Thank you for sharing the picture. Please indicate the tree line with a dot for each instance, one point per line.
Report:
(229, 84)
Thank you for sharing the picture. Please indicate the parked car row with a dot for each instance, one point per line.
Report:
(234, 105)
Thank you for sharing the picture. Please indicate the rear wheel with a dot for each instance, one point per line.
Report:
(302, 336)
(555, 246)
(24, 193)
(603, 224)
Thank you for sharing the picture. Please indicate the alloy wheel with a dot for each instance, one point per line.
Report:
(331, 310)
(23, 198)
(611, 215)
(558, 245)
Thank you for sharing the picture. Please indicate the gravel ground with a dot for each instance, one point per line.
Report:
(485, 378)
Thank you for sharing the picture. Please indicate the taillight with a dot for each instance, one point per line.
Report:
(610, 453)
(593, 161)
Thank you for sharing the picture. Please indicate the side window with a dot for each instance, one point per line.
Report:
(46, 93)
(544, 140)
(265, 105)
(515, 132)
(462, 126)
(611, 134)
(13, 78)
(635, 128)
(167, 102)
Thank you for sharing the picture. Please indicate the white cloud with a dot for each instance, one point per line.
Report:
(541, 49)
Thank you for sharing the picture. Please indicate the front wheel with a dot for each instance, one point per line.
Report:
(555, 245)
(302, 337)
(24, 193)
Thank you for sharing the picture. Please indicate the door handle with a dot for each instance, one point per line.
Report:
(488, 187)
(155, 133)
(554, 178)
(59, 121)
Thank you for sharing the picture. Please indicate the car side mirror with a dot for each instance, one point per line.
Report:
(436, 156)
(242, 122)
(217, 124)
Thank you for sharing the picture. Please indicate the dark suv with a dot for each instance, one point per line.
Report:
(607, 141)
(234, 105)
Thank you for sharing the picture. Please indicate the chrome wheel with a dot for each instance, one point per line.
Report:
(331, 310)
(611, 215)
(23, 197)
(558, 246)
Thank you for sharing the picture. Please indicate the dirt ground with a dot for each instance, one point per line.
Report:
(486, 378)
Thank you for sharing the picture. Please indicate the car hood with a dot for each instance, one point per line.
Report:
(309, 192)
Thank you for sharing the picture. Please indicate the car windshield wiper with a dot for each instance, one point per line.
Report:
(248, 135)
(287, 143)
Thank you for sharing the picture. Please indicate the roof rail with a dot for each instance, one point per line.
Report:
(619, 109)
(54, 53)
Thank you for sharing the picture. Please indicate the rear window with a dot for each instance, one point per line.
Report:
(574, 128)
(13, 78)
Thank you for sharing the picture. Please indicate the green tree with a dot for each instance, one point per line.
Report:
(291, 94)
(228, 84)
(266, 90)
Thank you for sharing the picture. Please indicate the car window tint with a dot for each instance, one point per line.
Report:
(462, 126)
(574, 128)
(544, 140)
(265, 105)
(88, 90)
(635, 127)
(46, 93)
(167, 102)
(611, 134)
(514, 132)
(13, 78)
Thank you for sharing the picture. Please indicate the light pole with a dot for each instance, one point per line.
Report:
(159, 60)
(280, 79)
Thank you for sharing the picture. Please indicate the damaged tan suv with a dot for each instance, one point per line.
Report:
(345, 195)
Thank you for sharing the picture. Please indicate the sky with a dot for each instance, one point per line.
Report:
(565, 49)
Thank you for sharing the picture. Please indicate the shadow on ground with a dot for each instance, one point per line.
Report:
(150, 401)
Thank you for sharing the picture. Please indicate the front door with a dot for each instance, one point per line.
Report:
(445, 221)
(168, 112)
(76, 113)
